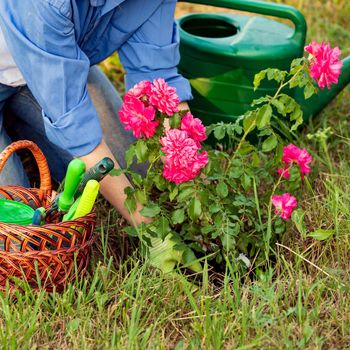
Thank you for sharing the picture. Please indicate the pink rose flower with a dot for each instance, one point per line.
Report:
(313, 48)
(177, 145)
(194, 128)
(325, 65)
(137, 117)
(284, 205)
(182, 162)
(164, 98)
(141, 90)
(293, 154)
(178, 174)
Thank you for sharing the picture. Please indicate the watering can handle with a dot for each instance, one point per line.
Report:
(264, 8)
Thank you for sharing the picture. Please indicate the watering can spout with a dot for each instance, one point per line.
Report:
(316, 103)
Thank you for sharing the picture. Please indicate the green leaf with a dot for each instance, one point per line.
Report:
(210, 128)
(194, 209)
(131, 231)
(276, 74)
(298, 220)
(219, 132)
(178, 216)
(130, 203)
(249, 122)
(279, 226)
(141, 197)
(256, 161)
(271, 73)
(280, 76)
(278, 153)
(246, 148)
(265, 132)
(162, 227)
(296, 64)
(222, 189)
(295, 82)
(236, 172)
(173, 193)
(321, 235)
(309, 90)
(184, 194)
(289, 103)
(190, 261)
(150, 211)
(175, 121)
(233, 129)
(303, 80)
(279, 106)
(207, 229)
(116, 172)
(160, 182)
(264, 116)
(214, 208)
(129, 155)
(137, 179)
(270, 143)
(129, 191)
(258, 78)
(141, 151)
(260, 100)
(297, 115)
(228, 242)
(246, 182)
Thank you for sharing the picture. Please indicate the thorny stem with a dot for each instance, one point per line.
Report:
(152, 164)
(149, 169)
(269, 220)
(243, 139)
(288, 81)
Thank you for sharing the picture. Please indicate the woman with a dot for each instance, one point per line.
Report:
(47, 49)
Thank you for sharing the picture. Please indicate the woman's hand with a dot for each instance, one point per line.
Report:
(112, 188)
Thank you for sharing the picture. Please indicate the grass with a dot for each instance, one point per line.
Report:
(302, 302)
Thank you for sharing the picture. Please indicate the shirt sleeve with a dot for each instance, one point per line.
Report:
(153, 51)
(42, 41)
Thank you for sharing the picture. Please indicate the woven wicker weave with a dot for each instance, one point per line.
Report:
(47, 256)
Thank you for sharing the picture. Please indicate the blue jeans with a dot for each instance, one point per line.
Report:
(21, 118)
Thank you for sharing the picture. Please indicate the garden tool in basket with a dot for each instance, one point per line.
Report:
(76, 180)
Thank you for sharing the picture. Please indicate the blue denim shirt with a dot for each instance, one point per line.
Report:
(54, 42)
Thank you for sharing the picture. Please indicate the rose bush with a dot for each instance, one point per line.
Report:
(230, 202)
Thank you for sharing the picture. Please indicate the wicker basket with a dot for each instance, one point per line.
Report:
(47, 256)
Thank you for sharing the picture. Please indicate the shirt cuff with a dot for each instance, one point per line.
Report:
(171, 76)
(77, 131)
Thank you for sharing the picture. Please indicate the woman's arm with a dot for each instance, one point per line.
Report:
(152, 51)
(112, 187)
(183, 106)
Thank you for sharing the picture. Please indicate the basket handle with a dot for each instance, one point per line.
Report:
(44, 171)
(263, 8)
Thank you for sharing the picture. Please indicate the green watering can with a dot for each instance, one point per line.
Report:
(221, 53)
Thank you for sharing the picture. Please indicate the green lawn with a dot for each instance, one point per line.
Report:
(301, 302)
